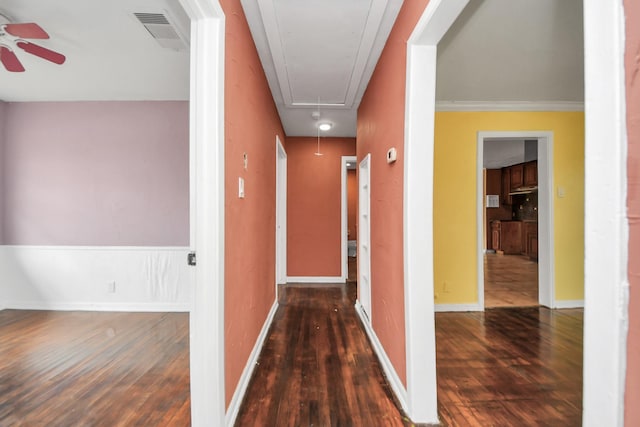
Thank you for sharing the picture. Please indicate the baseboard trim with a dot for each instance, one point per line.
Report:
(243, 383)
(578, 303)
(389, 371)
(160, 307)
(316, 279)
(457, 307)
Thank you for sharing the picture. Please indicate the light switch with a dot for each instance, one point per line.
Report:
(241, 188)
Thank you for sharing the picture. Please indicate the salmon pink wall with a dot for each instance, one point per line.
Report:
(380, 127)
(96, 173)
(251, 126)
(632, 63)
(313, 205)
(352, 204)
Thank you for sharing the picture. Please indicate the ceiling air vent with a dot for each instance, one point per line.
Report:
(161, 29)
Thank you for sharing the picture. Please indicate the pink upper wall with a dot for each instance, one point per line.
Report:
(251, 126)
(313, 205)
(632, 65)
(3, 108)
(380, 127)
(96, 173)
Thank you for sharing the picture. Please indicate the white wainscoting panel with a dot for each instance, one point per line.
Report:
(79, 278)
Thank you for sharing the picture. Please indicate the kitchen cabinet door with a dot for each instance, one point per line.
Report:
(531, 173)
(506, 186)
(517, 176)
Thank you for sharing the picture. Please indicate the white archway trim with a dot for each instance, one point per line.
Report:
(606, 226)
(439, 15)
(206, 129)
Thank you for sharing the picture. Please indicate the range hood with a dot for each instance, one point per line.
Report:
(524, 190)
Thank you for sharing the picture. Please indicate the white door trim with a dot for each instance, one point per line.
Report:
(546, 264)
(344, 219)
(606, 227)
(206, 129)
(281, 213)
(438, 16)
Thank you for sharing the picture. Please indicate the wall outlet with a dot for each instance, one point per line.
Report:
(111, 287)
(445, 287)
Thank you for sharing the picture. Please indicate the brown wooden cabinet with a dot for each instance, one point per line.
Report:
(511, 237)
(495, 235)
(517, 176)
(530, 239)
(531, 173)
(506, 186)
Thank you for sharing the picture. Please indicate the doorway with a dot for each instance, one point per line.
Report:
(509, 213)
(349, 218)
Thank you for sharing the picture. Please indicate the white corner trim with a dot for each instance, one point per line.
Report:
(243, 383)
(509, 106)
(578, 303)
(441, 308)
(316, 279)
(387, 366)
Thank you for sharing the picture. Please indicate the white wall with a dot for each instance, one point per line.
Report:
(77, 278)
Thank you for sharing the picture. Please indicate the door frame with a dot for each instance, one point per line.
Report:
(606, 230)
(281, 214)
(344, 219)
(546, 275)
(206, 187)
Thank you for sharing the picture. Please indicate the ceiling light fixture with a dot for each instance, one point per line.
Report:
(324, 126)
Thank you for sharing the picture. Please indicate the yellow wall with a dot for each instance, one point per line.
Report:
(455, 225)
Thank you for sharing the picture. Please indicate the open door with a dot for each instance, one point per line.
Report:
(364, 235)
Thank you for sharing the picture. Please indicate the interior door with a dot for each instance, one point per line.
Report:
(364, 235)
(281, 213)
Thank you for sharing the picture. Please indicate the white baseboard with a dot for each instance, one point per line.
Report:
(243, 383)
(579, 303)
(457, 307)
(390, 372)
(316, 279)
(88, 306)
(79, 278)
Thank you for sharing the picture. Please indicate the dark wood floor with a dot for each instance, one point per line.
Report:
(317, 367)
(510, 367)
(504, 367)
(94, 369)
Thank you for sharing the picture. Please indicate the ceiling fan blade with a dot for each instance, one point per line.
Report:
(42, 52)
(28, 31)
(10, 60)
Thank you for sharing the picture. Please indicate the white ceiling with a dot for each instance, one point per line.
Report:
(497, 51)
(319, 52)
(110, 55)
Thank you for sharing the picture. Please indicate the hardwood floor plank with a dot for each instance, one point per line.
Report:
(510, 281)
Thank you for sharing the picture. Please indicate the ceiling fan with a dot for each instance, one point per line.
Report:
(13, 36)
